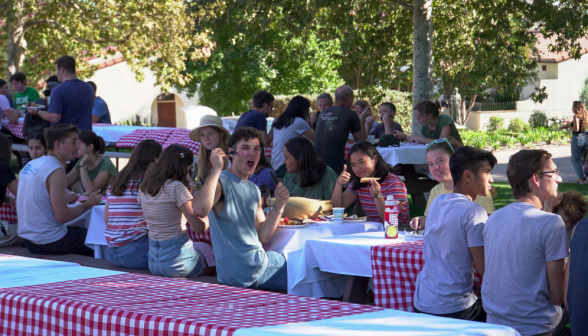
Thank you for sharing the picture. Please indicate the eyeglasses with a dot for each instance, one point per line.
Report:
(554, 172)
(207, 135)
(440, 141)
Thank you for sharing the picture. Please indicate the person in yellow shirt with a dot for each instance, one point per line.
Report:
(438, 154)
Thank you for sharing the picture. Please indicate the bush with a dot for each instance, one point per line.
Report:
(495, 124)
(538, 119)
(517, 125)
(584, 92)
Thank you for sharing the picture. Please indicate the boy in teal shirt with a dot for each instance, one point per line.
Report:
(23, 93)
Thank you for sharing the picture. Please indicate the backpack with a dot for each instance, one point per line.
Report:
(34, 123)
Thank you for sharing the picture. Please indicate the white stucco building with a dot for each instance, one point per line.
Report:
(127, 98)
(562, 77)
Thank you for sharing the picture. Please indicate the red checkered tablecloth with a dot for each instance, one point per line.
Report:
(394, 270)
(136, 304)
(8, 214)
(132, 139)
(16, 129)
(182, 137)
(203, 237)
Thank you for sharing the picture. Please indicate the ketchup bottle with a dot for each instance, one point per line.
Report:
(391, 220)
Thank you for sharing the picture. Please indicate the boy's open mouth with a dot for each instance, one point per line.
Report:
(250, 163)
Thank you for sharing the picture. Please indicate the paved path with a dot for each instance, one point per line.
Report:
(561, 157)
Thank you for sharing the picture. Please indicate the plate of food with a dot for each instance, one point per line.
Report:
(34, 106)
(354, 219)
(286, 223)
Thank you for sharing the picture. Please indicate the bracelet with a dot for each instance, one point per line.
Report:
(278, 210)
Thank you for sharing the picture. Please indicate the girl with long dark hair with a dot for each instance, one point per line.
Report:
(37, 145)
(126, 228)
(366, 162)
(93, 170)
(292, 123)
(264, 173)
(307, 175)
(8, 178)
(167, 206)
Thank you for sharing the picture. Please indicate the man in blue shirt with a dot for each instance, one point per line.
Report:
(263, 104)
(71, 101)
(100, 112)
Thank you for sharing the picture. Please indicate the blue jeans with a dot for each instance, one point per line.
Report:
(131, 255)
(275, 276)
(175, 257)
(577, 156)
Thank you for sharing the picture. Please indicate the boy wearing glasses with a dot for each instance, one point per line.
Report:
(454, 240)
(525, 249)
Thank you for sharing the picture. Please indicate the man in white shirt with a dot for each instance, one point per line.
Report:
(42, 202)
(525, 248)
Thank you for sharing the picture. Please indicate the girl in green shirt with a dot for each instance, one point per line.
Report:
(306, 174)
(93, 170)
(434, 124)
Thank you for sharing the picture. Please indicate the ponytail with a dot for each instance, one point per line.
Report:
(428, 107)
(90, 138)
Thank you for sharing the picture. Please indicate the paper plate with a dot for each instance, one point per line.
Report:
(293, 227)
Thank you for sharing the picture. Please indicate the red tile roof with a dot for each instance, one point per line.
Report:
(545, 55)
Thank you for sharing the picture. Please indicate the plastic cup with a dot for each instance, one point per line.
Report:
(338, 214)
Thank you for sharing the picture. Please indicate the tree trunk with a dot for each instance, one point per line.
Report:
(467, 110)
(16, 49)
(422, 82)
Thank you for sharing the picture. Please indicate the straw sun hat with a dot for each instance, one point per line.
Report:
(211, 121)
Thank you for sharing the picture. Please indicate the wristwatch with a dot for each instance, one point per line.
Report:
(379, 196)
(84, 166)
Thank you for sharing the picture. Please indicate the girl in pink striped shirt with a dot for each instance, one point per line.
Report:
(126, 229)
(366, 162)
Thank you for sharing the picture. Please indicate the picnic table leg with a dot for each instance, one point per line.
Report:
(356, 289)
(414, 186)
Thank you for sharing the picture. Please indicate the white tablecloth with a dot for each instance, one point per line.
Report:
(320, 269)
(22, 271)
(111, 134)
(284, 240)
(406, 153)
(385, 322)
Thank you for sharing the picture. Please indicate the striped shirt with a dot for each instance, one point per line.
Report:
(391, 185)
(126, 222)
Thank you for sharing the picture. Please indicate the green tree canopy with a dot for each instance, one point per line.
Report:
(150, 34)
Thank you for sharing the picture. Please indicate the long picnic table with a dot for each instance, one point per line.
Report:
(67, 298)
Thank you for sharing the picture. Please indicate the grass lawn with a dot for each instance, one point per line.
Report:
(505, 197)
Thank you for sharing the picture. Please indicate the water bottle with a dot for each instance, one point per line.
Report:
(391, 220)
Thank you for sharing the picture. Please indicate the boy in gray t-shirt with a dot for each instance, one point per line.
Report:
(525, 249)
(454, 240)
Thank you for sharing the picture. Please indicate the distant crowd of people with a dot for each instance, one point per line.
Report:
(518, 251)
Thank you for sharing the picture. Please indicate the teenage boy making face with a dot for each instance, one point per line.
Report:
(454, 240)
(238, 225)
(525, 249)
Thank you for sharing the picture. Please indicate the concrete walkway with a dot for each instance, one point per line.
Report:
(561, 157)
